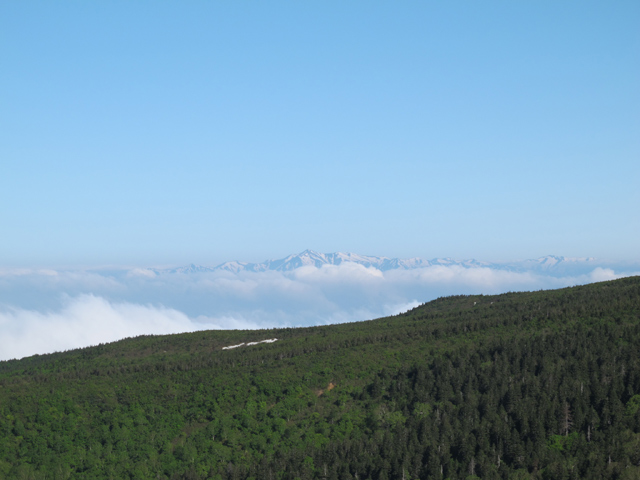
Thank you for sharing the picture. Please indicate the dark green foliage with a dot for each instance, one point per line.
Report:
(541, 385)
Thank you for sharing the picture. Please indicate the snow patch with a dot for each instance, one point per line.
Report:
(269, 340)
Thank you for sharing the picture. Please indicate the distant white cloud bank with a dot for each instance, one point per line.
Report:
(43, 311)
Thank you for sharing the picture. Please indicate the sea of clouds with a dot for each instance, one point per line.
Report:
(43, 311)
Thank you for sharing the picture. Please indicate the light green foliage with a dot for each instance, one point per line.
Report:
(561, 443)
(421, 409)
(633, 405)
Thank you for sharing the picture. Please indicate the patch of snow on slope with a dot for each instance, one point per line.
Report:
(269, 340)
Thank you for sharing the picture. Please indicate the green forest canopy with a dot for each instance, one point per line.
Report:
(521, 385)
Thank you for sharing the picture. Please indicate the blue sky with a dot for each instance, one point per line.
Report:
(147, 132)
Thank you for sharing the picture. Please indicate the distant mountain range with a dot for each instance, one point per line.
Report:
(549, 264)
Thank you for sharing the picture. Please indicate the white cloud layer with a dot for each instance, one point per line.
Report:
(45, 311)
(84, 320)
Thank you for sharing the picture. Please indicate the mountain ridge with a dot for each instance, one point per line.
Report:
(547, 263)
(531, 385)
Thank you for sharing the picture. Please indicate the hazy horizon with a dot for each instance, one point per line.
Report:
(46, 310)
(164, 134)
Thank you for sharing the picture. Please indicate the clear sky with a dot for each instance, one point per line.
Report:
(156, 132)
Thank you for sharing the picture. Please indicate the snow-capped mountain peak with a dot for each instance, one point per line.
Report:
(548, 263)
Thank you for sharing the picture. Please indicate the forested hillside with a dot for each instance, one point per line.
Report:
(520, 385)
